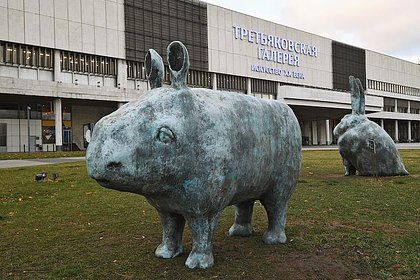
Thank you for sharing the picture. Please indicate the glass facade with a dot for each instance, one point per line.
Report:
(347, 61)
(48, 122)
(156, 23)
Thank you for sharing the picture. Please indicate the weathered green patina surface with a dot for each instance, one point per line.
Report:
(364, 146)
(192, 152)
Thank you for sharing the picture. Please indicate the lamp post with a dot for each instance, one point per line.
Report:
(28, 111)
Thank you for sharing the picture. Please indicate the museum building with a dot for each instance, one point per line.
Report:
(64, 64)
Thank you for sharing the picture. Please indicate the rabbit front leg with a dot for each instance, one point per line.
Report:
(202, 229)
(349, 169)
(173, 227)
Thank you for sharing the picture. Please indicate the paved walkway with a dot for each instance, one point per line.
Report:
(9, 163)
(400, 146)
(42, 161)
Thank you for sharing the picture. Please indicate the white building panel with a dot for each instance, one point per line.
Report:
(88, 38)
(60, 9)
(100, 40)
(100, 13)
(4, 34)
(121, 44)
(32, 6)
(15, 4)
(16, 26)
(87, 12)
(32, 29)
(46, 7)
(112, 42)
(75, 36)
(111, 15)
(75, 12)
(47, 37)
(61, 34)
(120, 19)
(267, 50)
(74, 25)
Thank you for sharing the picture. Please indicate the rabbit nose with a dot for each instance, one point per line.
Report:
(113, 165)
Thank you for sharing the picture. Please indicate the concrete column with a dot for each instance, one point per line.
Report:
(58, 124)
(214, 81)
(314, 133)
(396, 131)
(327, 129)
(308, 125)
(57, 66)
(121, 74)
(278, 97)
(382, 123)
(409, 128)
(248, 86)
(408, 106)
(395, 105)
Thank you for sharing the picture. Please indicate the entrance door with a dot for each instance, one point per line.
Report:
(67, 140)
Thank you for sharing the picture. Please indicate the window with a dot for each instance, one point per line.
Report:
(415, 107)
(135, 70)
(86, 63)
(48, 58)
(25, 55)
(264, 89)
(199, 79)
(377, 85)
(231, 83)
(402, 106)
(2, 52)
(389, 104)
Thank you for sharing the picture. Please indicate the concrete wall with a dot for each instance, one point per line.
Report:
(26, 73)
(324, 98)
(88, 26)
(63, 90)
(235, 56)
(86, 114)
(393, 95)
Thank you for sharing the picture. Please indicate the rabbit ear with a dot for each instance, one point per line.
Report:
(154, 68)
(357, 96)
(179, 63)
(362, 97)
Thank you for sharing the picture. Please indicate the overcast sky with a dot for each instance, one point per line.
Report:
(387, 26)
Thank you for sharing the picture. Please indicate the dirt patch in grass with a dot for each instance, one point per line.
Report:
(319, 265)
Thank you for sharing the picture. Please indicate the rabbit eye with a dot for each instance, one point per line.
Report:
(165, 135)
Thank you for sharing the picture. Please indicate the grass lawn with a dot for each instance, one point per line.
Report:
(338, 228)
